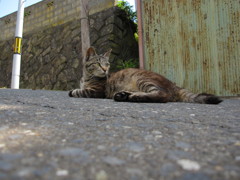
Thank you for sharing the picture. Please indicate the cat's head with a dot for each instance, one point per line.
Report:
(97, 65)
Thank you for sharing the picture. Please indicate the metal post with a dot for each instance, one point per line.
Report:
(18, 46)
(138, 4)
(84, 28)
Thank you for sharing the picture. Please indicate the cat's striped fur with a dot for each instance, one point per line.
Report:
(131, 85)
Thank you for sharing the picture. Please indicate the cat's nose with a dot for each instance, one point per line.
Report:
(104, 68)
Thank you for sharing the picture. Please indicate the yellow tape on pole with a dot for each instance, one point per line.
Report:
(18, 45)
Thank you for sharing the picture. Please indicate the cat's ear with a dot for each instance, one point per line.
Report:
(90, 52)
(108, 53)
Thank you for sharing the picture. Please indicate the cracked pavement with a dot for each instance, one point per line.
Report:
(47, 135)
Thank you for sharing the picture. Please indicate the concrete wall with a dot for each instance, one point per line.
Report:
(49, 13)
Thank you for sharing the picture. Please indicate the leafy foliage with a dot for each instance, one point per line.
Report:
(130, 63)
(132, 15)
(127, 61)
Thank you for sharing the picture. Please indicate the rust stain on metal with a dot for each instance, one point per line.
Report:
(194, 43)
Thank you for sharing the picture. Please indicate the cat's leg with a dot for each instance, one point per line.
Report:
(79, 93)
(86, 93)
(153, 96)
(122, 96)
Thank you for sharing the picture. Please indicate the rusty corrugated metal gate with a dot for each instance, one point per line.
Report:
(195, 43)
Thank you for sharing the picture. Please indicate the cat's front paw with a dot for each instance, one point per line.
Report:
(122, 96)
(70, 93)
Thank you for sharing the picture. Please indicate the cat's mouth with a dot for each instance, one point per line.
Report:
(102, 74)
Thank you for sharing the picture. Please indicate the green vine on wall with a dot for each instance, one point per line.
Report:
(131, 15)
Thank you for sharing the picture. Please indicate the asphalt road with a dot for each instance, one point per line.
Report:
(47, 135)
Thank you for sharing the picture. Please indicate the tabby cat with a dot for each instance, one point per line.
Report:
(131, 85)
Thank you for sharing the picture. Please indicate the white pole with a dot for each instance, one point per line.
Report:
(18, 46)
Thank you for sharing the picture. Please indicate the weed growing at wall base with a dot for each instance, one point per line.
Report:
(130, 63)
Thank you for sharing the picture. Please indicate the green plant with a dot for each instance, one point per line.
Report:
(136, 36)
(126, 60)
(130, 63)
(131, 14)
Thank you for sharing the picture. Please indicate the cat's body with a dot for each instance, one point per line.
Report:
(148, 86)
(131, 85)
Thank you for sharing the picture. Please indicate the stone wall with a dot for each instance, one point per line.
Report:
(49, 13)
(51, 57)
